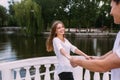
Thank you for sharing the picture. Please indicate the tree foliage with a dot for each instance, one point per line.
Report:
(37, 15)
(3, 16)
(76, 13)
(28, 15)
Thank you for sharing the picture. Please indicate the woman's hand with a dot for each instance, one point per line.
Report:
(88, 57)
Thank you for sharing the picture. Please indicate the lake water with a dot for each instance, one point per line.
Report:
(16, 47)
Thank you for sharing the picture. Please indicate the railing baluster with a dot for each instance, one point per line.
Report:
(14, 71)
(37, 73)
(87, 75)
(27, 77)
(47, 73)
(18, 74)
(106, 76)
(96, 76)
(78, 73)
(55, 74)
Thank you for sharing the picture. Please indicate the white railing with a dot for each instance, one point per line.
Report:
(42, 68)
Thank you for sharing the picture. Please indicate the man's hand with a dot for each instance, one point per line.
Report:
(73, 61)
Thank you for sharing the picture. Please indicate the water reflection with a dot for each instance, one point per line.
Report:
(94, 45)
(15, 47)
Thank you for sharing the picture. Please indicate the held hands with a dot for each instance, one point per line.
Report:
(77, 61)
(88, 57)
(91, 57)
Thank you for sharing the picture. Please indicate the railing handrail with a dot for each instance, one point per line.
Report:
(29, 62)
(11, 70)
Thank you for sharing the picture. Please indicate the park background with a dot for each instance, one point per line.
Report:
(25, 25)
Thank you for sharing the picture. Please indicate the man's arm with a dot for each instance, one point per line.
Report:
(102, 65)
(102, 57)
(105, 55)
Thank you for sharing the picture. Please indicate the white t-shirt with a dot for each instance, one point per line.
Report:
(115, 73)
(63, 63)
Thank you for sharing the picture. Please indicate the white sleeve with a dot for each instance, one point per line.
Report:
(57, 44)
(72, 47)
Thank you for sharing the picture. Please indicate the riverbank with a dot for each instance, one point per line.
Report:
(74, 34)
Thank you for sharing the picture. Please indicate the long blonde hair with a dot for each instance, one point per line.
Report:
(49, 42)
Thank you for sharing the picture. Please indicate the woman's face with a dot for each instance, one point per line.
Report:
(60, 30)
(115, 12)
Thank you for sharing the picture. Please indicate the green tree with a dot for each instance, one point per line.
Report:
(28, 15)
(75, 13)
(48, 11)
(12, 21)
(106, 18)
(3, 16)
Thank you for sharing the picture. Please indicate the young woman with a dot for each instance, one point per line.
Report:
(62, 47)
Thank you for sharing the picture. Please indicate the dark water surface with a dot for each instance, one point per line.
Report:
(16, 47)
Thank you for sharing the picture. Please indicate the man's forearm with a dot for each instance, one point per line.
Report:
(92, 65)
(110, 62)
(104, 56)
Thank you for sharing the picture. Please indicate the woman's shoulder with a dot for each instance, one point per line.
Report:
(66, 39)
(55, 38)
